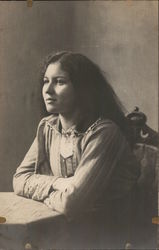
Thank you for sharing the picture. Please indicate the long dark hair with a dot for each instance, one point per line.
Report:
(93, 91)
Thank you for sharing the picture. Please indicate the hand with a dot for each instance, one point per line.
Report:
(47, 202)
(61, 184)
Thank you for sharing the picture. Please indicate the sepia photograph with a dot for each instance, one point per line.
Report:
(79, 125)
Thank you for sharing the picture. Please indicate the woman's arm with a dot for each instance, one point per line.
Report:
(101, 154)
(26, 182)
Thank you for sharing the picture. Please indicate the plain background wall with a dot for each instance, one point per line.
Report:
(120, 36)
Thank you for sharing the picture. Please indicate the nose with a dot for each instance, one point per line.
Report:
(49, 88)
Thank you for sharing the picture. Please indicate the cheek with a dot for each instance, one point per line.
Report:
(65, 94)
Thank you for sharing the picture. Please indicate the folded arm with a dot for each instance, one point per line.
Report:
(29, 184)
(100, 156)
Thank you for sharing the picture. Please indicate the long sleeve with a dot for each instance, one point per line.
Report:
(28, 183)
(101, 154)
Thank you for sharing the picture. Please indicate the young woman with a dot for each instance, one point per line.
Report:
(80, 163)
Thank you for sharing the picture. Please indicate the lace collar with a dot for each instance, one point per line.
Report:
(83, 128)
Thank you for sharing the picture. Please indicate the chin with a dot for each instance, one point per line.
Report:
(51, 110)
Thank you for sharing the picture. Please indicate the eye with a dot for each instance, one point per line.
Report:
(56, 81)
(61, 81)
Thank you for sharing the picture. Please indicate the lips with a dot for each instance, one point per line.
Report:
(50, 100)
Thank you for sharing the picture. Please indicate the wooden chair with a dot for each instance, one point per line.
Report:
(142, 233)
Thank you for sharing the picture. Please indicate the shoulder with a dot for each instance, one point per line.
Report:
(104, 137)
(103, 126)
(47, 123)
(103, 130)
(49, 120)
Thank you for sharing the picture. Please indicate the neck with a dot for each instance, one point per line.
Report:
(68, 120)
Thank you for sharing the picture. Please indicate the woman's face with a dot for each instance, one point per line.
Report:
(58, 91)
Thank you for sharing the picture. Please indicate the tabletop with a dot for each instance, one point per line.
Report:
(28, 224)
(20, 210)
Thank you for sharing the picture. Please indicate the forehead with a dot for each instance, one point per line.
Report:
(54, 70)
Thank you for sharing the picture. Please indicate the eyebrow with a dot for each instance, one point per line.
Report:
(56, 77)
